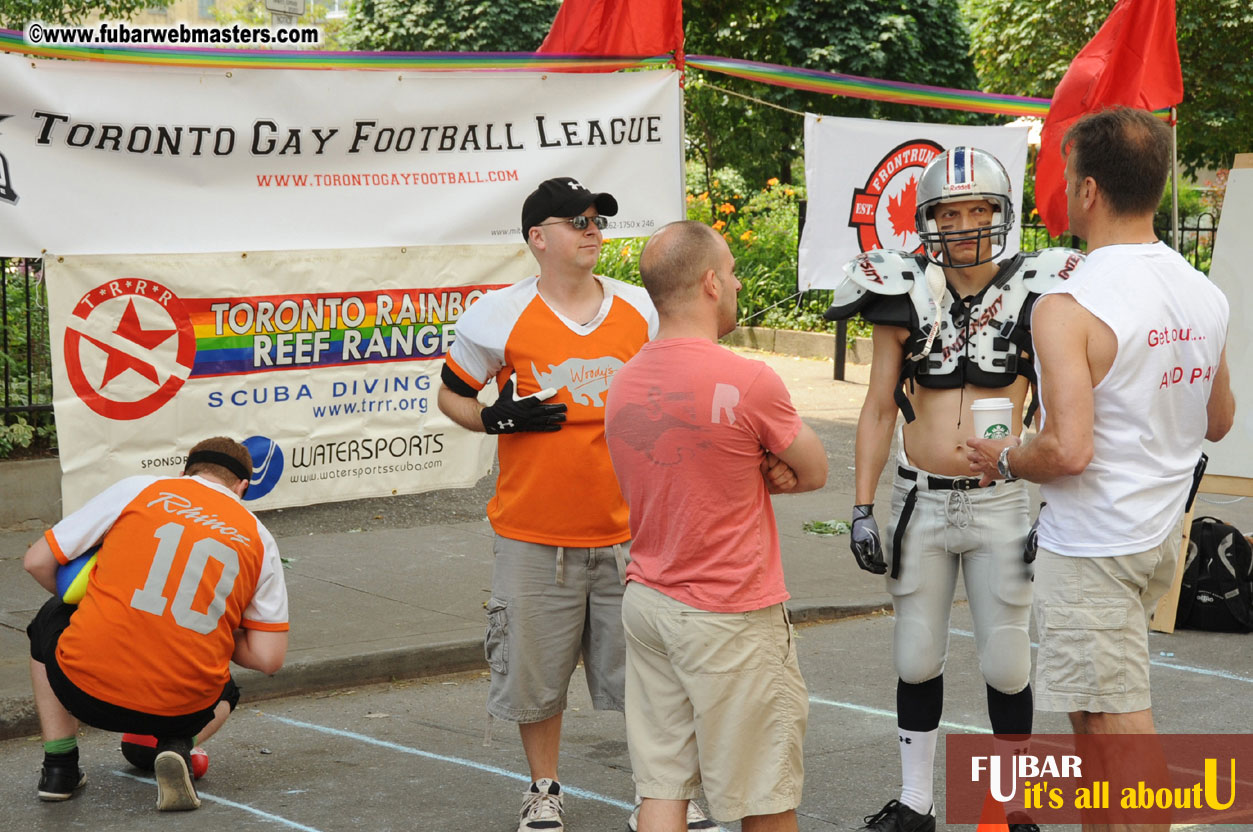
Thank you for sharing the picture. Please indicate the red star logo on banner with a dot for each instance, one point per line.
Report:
(120, 361)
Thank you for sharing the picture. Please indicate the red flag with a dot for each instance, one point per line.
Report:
(616, 27)
(1133, 61)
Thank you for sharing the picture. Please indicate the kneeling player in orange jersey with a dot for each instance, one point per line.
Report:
(186, 580)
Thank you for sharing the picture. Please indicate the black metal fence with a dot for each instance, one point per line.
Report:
(25, 351)
(1196, 236)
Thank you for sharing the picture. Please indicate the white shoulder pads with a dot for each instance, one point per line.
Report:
(883, 271)
(1042, 270)
(879, 272)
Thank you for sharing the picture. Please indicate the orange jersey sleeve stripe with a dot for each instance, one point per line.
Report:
(56, 548)
(262, 625)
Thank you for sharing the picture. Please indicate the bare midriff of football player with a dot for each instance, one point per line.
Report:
(935, 441)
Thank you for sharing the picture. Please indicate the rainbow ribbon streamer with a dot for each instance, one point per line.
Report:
(810, 80)
(852, 86)
(196, 56)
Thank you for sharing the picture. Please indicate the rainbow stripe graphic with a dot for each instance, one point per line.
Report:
(239, 336)
(810, 80)
(11, 41)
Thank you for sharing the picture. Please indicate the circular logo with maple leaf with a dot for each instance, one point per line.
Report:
(883, 211)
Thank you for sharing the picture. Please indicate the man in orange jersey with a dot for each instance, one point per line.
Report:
(552, 343)
(186, 580)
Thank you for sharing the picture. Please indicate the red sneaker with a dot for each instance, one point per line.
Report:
(140, 750)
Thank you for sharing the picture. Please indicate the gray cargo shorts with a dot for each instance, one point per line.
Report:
(550, 607)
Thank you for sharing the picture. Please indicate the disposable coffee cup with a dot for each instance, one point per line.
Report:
(992, 418)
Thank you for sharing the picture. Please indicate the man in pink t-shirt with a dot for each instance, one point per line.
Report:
(699, 438)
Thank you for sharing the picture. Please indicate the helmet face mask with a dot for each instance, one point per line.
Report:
(963, 174)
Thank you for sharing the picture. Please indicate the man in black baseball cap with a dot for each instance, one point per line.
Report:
(562, 197)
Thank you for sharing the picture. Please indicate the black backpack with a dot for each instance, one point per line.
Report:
(1217, 591)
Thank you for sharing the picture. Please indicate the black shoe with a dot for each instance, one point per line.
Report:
(60, 782)
(172, 768)
(1019, 822)
(897, 817)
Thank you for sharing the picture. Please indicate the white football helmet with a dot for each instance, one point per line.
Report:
(956, 175)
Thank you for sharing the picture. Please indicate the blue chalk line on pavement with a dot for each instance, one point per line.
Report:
(231, 803)
(1186, 668)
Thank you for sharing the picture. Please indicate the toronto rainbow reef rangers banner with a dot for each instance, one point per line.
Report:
(282, 256)
(332, 388)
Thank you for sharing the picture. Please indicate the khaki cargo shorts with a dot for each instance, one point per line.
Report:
(1092, 619)
(713, 699)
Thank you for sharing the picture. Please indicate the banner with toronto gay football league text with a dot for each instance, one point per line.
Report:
(281, 256)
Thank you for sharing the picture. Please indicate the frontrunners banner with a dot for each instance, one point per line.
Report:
(862, 180)
(326, 364)
(106, 159)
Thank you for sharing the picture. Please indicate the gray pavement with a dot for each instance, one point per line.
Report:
(394, 588)
(412, 754)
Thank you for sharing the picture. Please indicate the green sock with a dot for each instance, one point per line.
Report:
(61, 746)
(195, 741)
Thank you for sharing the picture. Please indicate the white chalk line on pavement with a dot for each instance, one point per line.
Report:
(231, 803)
(574, 791)
(1187, 668)
(866, 709)
(444, 758)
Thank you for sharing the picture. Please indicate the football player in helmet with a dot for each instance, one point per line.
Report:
(952, 327)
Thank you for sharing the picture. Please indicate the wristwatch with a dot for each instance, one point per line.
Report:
(1002, 463)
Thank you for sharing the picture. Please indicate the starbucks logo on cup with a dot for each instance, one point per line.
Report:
(992, 418)
(996, 432)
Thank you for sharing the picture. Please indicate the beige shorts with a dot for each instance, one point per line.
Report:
(713, 699)
(1092, 618)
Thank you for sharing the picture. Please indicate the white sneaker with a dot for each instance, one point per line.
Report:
(175, 792)
(541, 807)
(697, 820)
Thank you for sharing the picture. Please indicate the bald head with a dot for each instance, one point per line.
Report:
(675, 259)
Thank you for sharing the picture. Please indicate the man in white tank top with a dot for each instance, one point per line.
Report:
(1133, 376)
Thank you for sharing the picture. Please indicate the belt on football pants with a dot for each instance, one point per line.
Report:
(926, 482)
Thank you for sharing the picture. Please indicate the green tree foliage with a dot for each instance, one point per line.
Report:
(922, 42)
(1023, 47)
(254, 13)
(449, 25)
(15, 14)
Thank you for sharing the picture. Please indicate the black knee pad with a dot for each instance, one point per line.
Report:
(918, 707)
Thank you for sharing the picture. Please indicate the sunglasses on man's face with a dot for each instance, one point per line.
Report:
(580, 222)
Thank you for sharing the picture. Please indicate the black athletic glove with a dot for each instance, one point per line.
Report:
(865, 540)
(1033, 539)
(510, 414)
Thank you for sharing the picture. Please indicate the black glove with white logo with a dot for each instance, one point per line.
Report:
(1033, 539)
(865, 540)
(510, 414)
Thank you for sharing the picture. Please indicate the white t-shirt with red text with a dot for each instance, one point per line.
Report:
(1149, 416)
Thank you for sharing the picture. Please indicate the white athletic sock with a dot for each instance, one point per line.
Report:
(917, 768)
(1006, 750)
